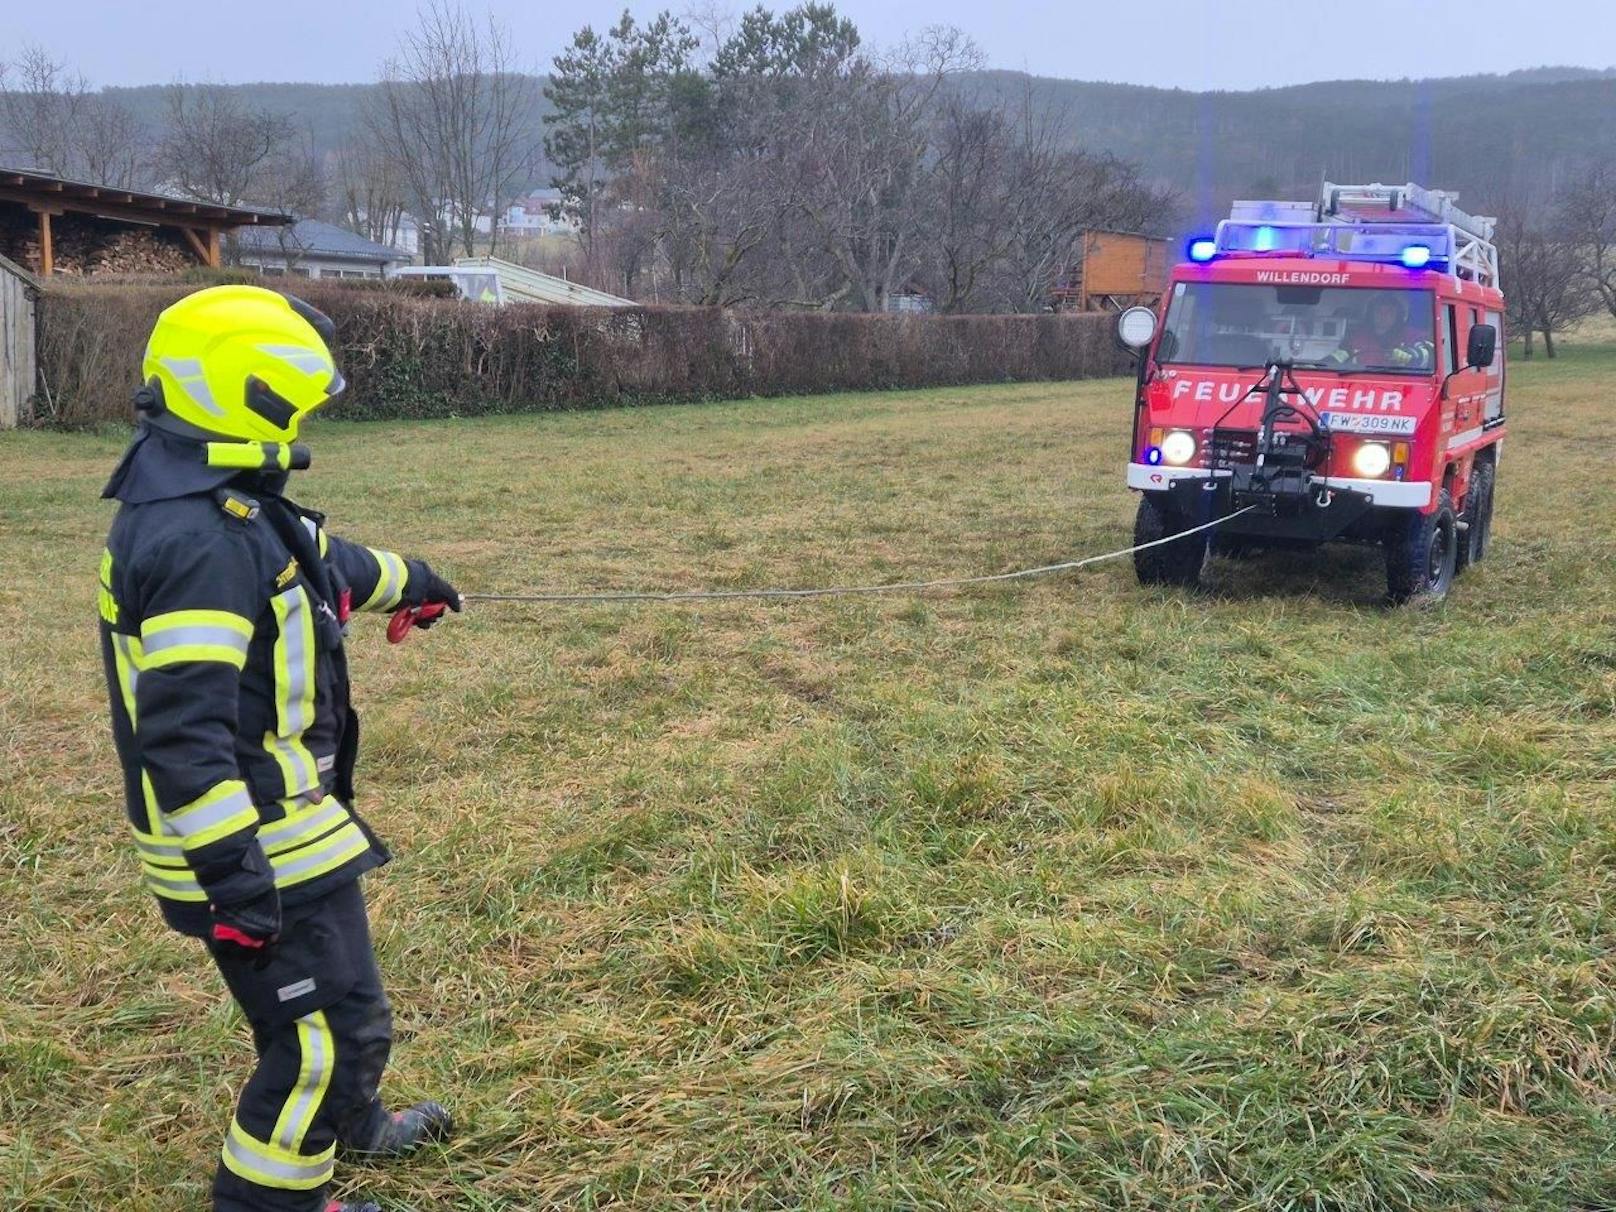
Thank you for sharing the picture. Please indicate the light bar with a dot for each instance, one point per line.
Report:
(1414, 245)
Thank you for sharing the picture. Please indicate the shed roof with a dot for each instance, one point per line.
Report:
(313, 237)
(32, 187)
(523, 285)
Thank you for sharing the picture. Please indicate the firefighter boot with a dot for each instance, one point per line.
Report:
(403, 1132)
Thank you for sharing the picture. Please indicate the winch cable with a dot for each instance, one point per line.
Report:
(729, 595)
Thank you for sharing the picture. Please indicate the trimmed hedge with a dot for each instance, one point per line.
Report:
(411, 357)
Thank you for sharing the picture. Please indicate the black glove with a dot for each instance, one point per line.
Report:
(250, 926)
(426, 588)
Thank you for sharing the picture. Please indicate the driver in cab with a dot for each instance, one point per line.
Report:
(1385, 340)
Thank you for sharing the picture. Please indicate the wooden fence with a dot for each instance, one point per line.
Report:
(18, 291)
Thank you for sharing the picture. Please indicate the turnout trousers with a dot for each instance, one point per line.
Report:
(323, 1030)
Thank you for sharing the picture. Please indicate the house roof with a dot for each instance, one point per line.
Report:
(31, 186)
(309, 237)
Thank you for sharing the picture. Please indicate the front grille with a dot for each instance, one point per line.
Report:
(1238, 447)
(1232, 446)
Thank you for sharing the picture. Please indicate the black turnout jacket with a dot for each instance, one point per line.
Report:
(223, 608)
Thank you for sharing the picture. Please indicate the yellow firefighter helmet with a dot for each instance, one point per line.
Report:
(242, 362)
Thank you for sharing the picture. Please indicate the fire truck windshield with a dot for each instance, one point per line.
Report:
(1328, 327)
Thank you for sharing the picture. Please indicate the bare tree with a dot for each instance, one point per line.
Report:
(1545, 275)
(713, 23)
(452, 113)
(716, 212)
(1587, 215)
(217, 150)
(111, 145)
(1054, 194)
(40, 103)
(967, 232)
(792, 167)
(371, 192)
(866, 149)
(55, 122)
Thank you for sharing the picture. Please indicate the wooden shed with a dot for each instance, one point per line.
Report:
(19, 290)
(1118, 269)
(52, 225)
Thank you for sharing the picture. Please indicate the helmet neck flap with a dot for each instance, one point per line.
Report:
(169, 457)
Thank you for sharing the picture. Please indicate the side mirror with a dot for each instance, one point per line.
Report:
(1482, 346)
(1136, 327)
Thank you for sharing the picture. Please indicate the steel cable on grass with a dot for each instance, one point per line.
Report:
(727, 595)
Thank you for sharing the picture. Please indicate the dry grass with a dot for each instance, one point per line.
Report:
(1069, 895)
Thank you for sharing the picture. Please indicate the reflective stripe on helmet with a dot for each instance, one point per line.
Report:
(309, 361)
(250, 456)
(188, 373)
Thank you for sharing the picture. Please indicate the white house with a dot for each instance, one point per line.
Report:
(407, 239)
(534, 216)
(312, 249)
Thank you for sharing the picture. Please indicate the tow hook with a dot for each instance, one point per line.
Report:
(1325, 499)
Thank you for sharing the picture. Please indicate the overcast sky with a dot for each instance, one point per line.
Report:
(1196, 44)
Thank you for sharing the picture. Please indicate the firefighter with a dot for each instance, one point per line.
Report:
(1386, 340)
(223, 610)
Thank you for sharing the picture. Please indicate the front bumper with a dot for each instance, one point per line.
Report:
(1334, 507)
(1385, 494)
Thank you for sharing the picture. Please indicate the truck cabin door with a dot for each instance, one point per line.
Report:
(1468, 390)
(1493, 410)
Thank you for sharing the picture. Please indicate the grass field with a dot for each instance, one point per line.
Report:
(1066, 895)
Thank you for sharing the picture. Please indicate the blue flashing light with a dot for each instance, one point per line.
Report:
(1416, 256)
(1153, 456)
(1203, 249)
(1266, 239)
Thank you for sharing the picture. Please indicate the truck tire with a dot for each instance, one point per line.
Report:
(1177, 563)
(1478, 516)
(1421, 554)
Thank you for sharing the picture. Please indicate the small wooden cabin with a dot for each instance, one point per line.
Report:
(1118, 269)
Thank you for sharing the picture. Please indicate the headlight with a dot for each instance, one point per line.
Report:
(1372, 459)
(1178, 448)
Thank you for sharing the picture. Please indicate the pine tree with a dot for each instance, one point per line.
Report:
(579, 127)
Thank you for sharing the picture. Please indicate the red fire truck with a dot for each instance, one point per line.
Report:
(1324, 372)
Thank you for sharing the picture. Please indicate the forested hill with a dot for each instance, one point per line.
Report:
(1486, 136)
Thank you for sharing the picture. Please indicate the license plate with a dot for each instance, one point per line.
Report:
(1370, 422)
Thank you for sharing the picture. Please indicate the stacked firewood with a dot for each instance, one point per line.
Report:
(15, 231)
(91, 247)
